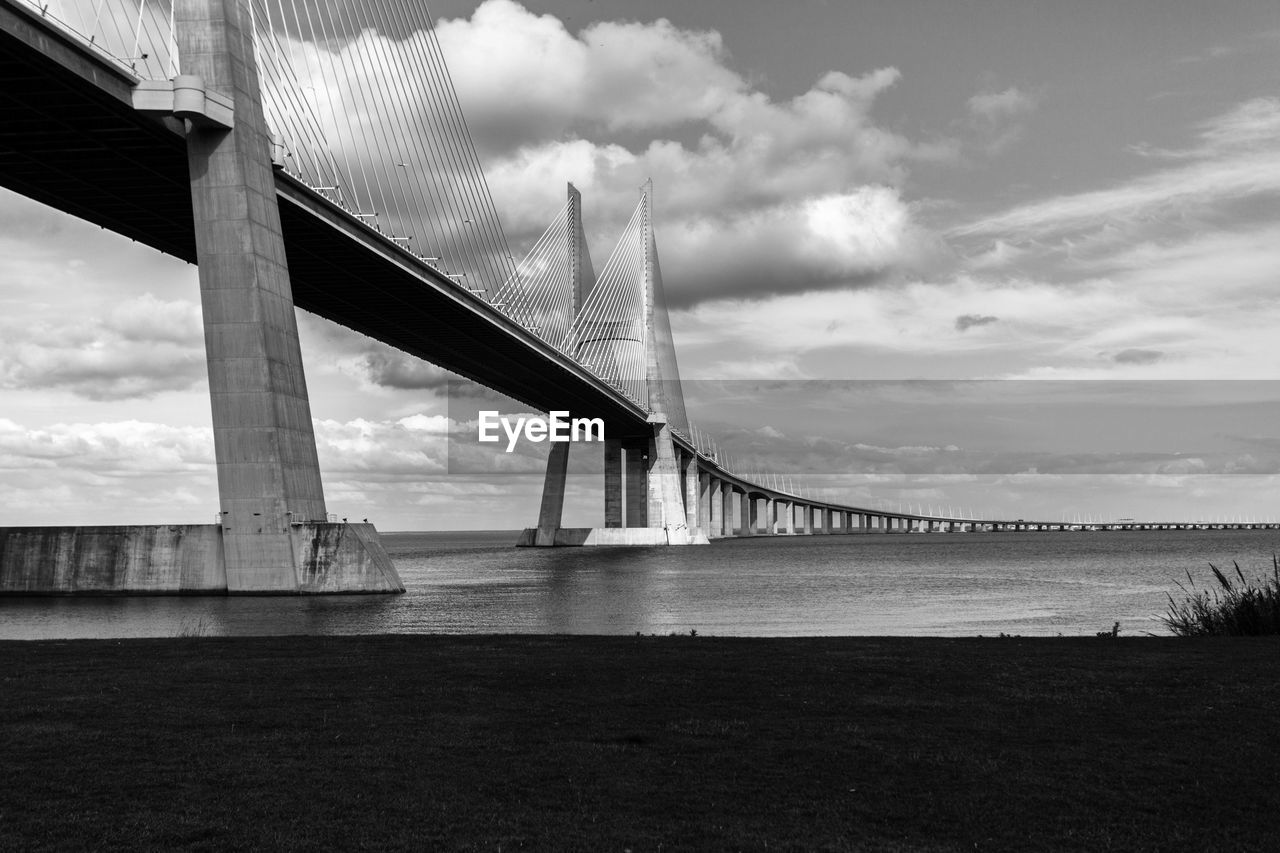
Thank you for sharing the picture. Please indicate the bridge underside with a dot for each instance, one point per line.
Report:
(72, 140)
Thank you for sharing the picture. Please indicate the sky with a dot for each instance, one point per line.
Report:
(1006, 257)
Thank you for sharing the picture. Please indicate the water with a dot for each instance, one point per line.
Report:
(1033, 584)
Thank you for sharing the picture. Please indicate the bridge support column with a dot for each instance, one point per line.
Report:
(692, 495)
(612, 482)
(715, 506)
(791, 517)
(552, 510)
(727, 496)
(636, 460)
(264, 444)
(667, 509)
(751, 525)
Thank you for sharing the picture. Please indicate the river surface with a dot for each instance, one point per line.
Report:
(963, 584)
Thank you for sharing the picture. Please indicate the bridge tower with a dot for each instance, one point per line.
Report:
(581, 274)
(625, 336)
(666, 492)
(272, 500)
(581, 279)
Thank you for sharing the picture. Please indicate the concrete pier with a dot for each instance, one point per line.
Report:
(637, 488)
(184, 559)
(268, 473)
(552, 511)
(715, 507)
(612, 482)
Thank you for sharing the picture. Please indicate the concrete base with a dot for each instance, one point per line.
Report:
(342, 558)
(182, 559)
(582, 536)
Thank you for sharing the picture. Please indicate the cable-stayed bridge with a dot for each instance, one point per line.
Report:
(314, 154)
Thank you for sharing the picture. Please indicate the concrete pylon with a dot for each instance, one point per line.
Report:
(551, 513)
(666, 480)
(264, 445)
(581, 274)
(650, 489)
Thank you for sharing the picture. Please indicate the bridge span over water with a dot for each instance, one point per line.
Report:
(187, 125)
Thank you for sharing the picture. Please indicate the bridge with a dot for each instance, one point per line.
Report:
(220, 132)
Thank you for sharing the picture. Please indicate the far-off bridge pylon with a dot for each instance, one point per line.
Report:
(622, 333)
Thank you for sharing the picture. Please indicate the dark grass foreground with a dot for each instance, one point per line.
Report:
(642, 744)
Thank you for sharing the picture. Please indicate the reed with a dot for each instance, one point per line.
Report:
(1239, 607)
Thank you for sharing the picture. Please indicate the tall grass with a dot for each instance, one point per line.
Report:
(1239, 608)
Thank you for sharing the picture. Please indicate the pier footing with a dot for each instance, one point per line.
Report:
(183, 559)
(585, 536)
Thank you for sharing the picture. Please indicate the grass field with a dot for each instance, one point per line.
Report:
(655, 743)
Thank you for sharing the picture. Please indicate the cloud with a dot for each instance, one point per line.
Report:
(1137, 356)
(522, 76)
(1235, 159)
(807, 188)
(996, 106)
(148, 319)
(139, 348)
(853, 332)
(402, 449)
(752, 153)
(821, 242)
(999, 117)
(115, 448)
(968, 321)
(392, 369)
(1185, 251)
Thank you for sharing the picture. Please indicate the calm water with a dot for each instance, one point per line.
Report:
(936, 584)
